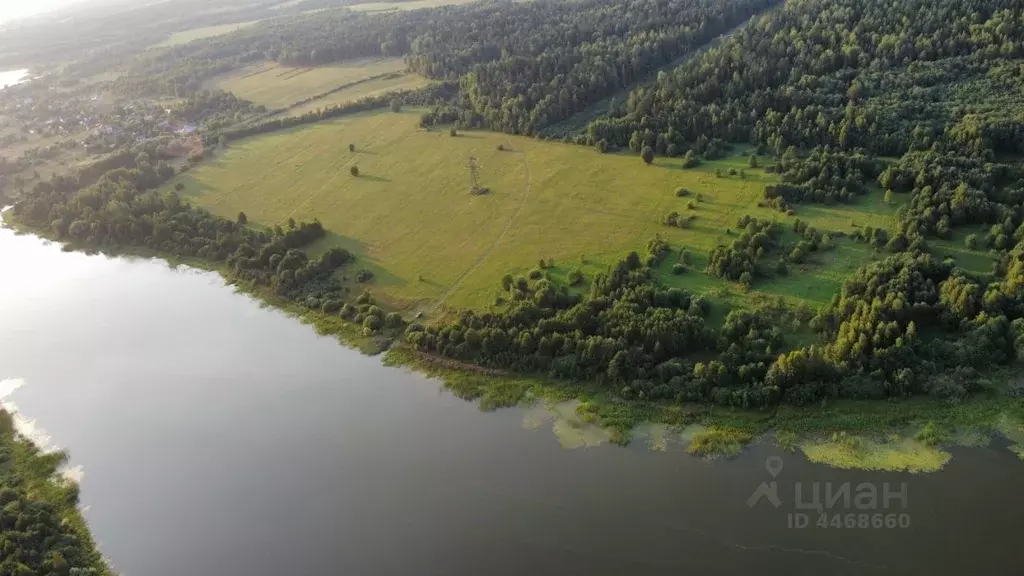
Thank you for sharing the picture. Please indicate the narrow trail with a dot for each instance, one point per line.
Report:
(508, 226)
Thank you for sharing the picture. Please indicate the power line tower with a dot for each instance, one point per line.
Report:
(474, 175)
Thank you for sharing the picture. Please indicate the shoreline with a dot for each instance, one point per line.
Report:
(910, 434)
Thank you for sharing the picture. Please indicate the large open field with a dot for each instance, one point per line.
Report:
(410, 218)
(187, 36)
(278, 86)
(410, 5)
(374, 87)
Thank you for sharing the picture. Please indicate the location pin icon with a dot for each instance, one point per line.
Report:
(774, 465)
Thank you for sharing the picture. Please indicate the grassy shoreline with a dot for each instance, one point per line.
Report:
(908, 434)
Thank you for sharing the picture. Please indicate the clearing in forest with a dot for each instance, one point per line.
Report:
(410, 218)
(409, 5)
(390, 83)
(187, 36)
(277, 86)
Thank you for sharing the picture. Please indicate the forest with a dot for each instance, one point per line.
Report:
(41, 531)
(922, 102)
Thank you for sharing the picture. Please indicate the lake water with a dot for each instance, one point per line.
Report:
(12, 77)
(216, 437)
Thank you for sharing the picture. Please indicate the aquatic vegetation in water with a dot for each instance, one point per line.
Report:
(855, 452)
(570, 430)
(657, 436)
(716, 441)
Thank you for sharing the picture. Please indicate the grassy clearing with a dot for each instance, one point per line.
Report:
(412, 5)
(366, 89)
(277, 86)
(187, 36)
(410, 219)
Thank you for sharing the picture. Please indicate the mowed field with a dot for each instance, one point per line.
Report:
(187, 36)
(411, 5)
(409, 216)
(277, 86)
(365, 89)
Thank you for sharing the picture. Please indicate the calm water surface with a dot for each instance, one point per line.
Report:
(216, 437)
(12, 77)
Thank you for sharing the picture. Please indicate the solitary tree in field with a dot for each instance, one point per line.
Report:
(453, 132)
(242, 219)
(753, 160)
(354, 170)
(647, 154)
(351, 147)
(888, 197)
(396, 105)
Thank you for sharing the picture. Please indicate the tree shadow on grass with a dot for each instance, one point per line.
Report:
(374, 178)
(381, 275)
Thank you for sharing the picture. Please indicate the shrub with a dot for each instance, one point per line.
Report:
(396, 105)
(682, 192)
(753, 161)
(647, 153)
(179, 187)
(372, 323)
(732, 172)
(672, 219)
(690, 160)
(453, 132)
(354, 170)
(364, 276)
(575, 277)
(685, 257)
(330, 306)
(501, 147)
(679, 268)
(536, 274)
(971, 241)
(542, 264)
(351, 147)
(394, 320)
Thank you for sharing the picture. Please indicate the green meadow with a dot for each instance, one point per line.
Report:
(276, 86)
(187, 36)
(432, 246)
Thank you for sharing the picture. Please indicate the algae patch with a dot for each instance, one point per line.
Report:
(571, 431)
(893, 455)
(656, 435)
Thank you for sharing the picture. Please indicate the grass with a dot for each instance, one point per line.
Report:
(277, 86)
(365, 89)
(187, 36)
(718, 442)
(412, 5)
(410, 219)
